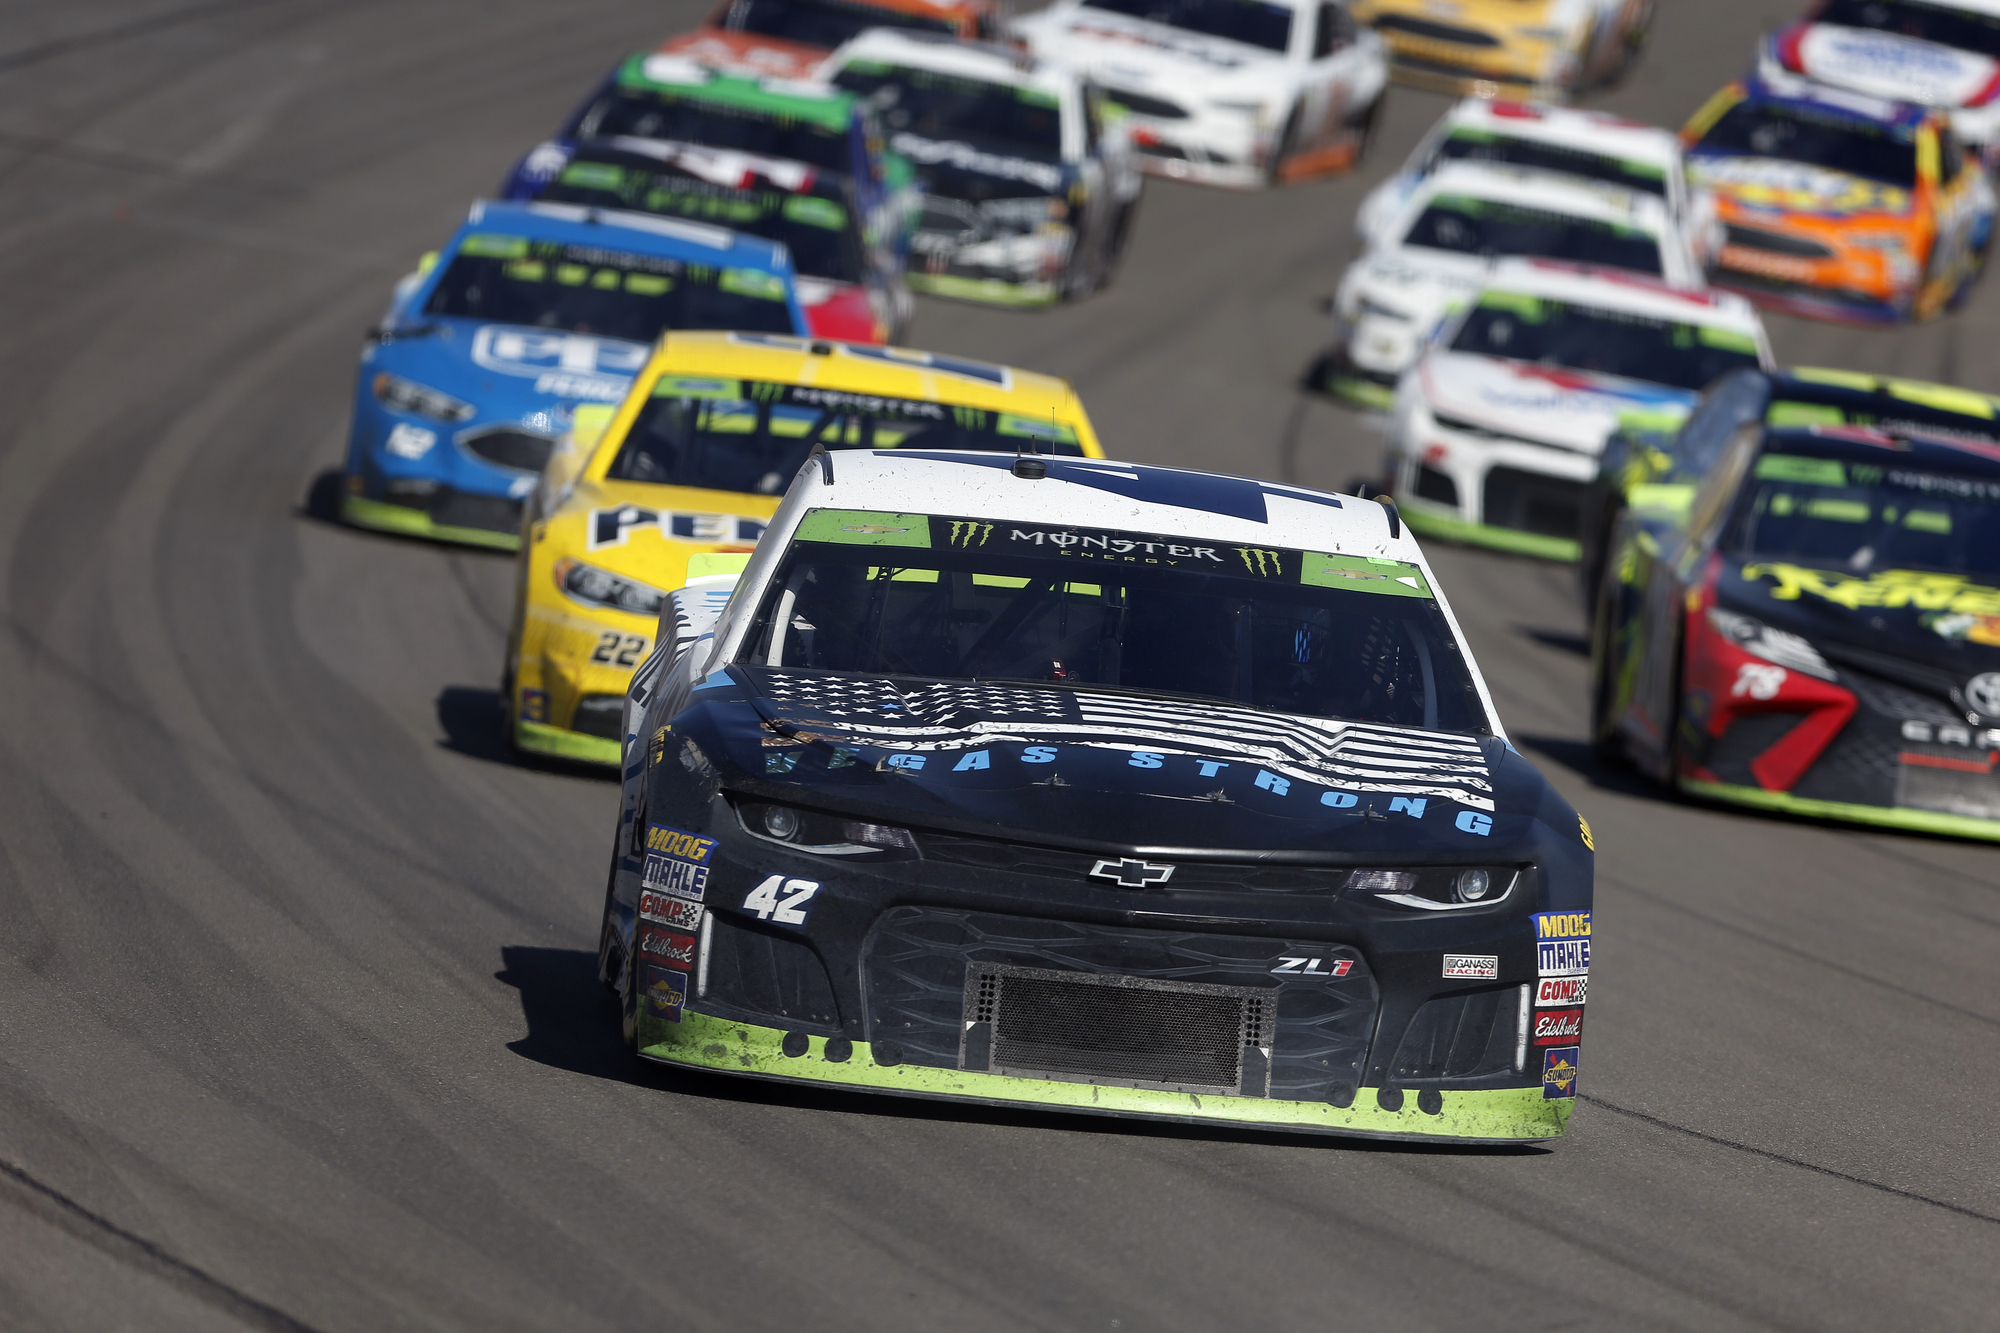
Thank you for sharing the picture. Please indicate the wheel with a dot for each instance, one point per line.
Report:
(610, 954)
(1603, 670)
(1283, 148)
(1114, 246)
(1365, 126)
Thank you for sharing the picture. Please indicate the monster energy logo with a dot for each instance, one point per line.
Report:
(764, 391)
(968, 534)
(970, 418)
(1263, 563)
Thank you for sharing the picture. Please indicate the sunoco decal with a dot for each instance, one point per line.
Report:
(1559, 1072)
(665, 992)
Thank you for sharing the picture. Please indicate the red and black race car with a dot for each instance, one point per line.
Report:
(1799, 601)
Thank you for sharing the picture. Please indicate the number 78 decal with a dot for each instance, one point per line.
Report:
(785, 901)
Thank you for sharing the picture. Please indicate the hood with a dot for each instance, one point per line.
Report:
(747, 53)
(1793, 187)
(1050, 764)
(1124, 52)
(959, 170)
(1573, 409)
(1420, 284)
(647, 532)
(1889, 65)
(506, 362)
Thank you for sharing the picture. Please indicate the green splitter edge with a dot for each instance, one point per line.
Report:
(1502, 1115)
(408, 522)
(1427, 524)
(1885, 816)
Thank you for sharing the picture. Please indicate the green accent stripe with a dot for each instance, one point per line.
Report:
(1357, 390)
(1887, 816)
(1504, 1115)
(992, 291)
(417, 523)
(831, 111)
(561, 743)
(1483, 534)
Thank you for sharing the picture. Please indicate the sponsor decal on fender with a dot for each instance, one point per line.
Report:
(1558, 1026)
(666, 946)
(1559, 1072)
(1475, 965)
(1563, 991)
(664, 992)
(676, 862)
(669, 910)
(1562, 944)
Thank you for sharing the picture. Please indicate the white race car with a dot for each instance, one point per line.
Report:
(1941, 55)
(1029, 187)
(1571, 142)
(1433, 253)
(1236, 93)
(1498, 428)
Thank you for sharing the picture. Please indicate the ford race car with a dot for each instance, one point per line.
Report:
(1236, 93)
(675, 99)
(1044, 782)
(1565, 140)
(1941, 55)
(1431, 256)
(530, 312)
(851, 288)
(1817, 631)
(1497, 430)
(1543, 49)
(691, 465)
(790, 38)
(1837, 205)
(1028, 188)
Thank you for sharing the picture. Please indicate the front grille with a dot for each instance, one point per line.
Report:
(510, 448)
(1531, 502)
(1435, 32)
(1074, 867)
(1411, 63)
(492, 513)
(1167, 150)
(1473, 1035)
(1777, 242)
(1124, 1031)
(1141, 105)
(600, 715)
(1436, 486)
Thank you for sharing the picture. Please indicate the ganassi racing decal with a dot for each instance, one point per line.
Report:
(1351, 757)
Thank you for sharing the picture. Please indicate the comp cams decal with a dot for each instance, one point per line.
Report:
(668, 910)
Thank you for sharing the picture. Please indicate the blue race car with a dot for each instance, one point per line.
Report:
(529, 311)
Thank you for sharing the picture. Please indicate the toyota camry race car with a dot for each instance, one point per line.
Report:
(1803, 613)
(692, 464)
(1544, 49)
(1433, 253)
(1837, 205)
(1028, 192)
(1226, 92)
(529, 313)
(789, 38)
(1941, 55)
(1497, 430)
(851, 288)
(1038, 781)
(1565, 140)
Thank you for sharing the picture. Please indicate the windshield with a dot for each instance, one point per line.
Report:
(815, 225)
(753, 435)
(994, 116)
(668, 113)
(1251, 22)
(1864, 517)
(1485, 146)
(1483, 227)
(947, 598)
(1931, 23)
(824, 23)
(587, 289)
(1800, 134)
(1604, 342)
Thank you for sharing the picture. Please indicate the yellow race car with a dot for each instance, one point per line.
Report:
(693, 462)
(1546, 50)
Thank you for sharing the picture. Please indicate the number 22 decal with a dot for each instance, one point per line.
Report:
(619, 649)
(785, 901)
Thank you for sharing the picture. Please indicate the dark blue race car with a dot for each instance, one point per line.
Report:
(529, 311)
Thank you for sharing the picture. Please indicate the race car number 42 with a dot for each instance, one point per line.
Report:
(784, 901)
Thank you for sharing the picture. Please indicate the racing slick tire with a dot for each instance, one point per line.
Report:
(1363, 126)
(1114, 248)
(1283, 148)
(610, 954)
(1603, 736)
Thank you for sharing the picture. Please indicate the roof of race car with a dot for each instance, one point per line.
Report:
(642, 233)
(1617, 289)
(971, 60)
(1973, 6)
(1544, 191)
(1572, 127)
(1797, 390)
(1782, 89)
(729, 168)
(821, 103)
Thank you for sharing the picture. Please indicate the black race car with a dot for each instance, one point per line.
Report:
(1797, 601)
(1095, 787)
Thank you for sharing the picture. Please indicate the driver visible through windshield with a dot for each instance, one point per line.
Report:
(1605, 342)
(1465, 225)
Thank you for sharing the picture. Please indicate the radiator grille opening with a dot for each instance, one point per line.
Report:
(1118, 1030)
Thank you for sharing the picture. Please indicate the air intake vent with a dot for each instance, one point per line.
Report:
(1123, 1031)
(510, 448)
(1777, 242)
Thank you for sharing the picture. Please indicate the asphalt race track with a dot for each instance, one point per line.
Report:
(298, 1021)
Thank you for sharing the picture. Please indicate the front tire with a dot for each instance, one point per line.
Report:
(1283, 149)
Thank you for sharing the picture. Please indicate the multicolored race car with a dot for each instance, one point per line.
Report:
(676, 100)
(1798, 608)
(1238, 93)
(529, 314)
(1029, 187)
(1498, 429)
(1547, 50)
(1941, 55)
(851, 288)
(692, 464)
(1096, 787)
(1838, 205)
(789, 38)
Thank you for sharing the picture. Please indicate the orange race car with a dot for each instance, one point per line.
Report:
(1837, 205)
(789, 38)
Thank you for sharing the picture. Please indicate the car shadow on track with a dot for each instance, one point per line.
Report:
(1604, 774)
(573, 1026)
(474, 724)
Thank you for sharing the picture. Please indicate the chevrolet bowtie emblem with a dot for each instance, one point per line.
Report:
(1131, 874)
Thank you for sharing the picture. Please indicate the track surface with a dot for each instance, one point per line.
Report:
(298, 1027)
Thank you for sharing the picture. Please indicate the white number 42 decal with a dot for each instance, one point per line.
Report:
(785, 901)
